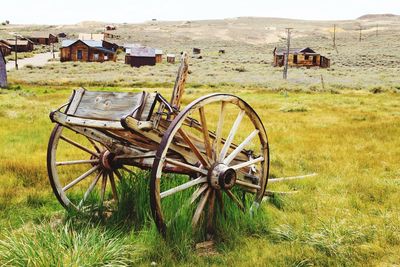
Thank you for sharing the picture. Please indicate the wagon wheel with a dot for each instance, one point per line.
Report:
(81, 172)
(224, 164)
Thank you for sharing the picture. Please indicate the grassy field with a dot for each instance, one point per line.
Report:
(347, 215)
(346, 129)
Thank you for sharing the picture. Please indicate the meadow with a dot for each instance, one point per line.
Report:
(347, 215)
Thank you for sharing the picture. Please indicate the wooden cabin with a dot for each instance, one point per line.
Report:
(300, 57)
(171, 58)
(85, 51)
(43, 39)
(22, 45)
(110, 27)
(159, 55)
(3, 71)
(196, 50)
(141, 56)
(5, 48)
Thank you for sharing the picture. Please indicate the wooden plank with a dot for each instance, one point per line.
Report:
(206, 134)
(231, 134)
(194, 148)
(108, 105)
(75, 101)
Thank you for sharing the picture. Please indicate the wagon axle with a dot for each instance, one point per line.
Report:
(220, 176)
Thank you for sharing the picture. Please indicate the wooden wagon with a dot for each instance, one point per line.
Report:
(216, 149)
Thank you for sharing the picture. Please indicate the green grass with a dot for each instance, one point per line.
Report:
(346, 216)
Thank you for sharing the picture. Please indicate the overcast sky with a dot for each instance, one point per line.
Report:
(118, 11)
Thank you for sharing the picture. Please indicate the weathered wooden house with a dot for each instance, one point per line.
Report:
(111, 46)
(110, 27)
(21, 46)
(159, 55)
(86, 51)
(141, 56)
(43, 39)
(196, 50)
(300, 57)
(62, 35)
(128, 47)
(5, 48)
(171, 58)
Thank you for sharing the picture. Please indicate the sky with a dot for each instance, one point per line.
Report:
(120, 11)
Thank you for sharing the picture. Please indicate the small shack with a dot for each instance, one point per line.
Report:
(128, 47)
(5, 48)
(300, 57)
(43, 39)
(62, 35)
(3, 71)
(86, 51)
(21, 46)
(91, 36)
(110, 27)
(196, 50)
(171, 58)
(159, 55)
(141, 56)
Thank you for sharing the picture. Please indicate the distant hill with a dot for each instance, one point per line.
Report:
(379, 16)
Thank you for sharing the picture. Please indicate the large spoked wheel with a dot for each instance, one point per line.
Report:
(221, 142)
(82, 172)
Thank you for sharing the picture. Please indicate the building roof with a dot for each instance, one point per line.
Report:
(4, 44)
(170, 55)
(40, 35)
(132, 45)
(91, 43)
(11, 42)
(158, 51)
(91, 36)
(282, 50)
(142, 52)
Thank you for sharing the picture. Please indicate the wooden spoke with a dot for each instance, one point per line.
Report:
(206, 134)
(240, 147)
(247, 163)
(113, 187)
(218, 132)
(200, 207)
(186, 166)
(79, 146)
(198, 192)
(196, 151)
(231, 135)
(128, 170)
(73, 162)
(118, 175)
(235, 199)
(98, 148)
(90, 189)
(247, 185)
(210, 213)
(103, 188)
(184, 186)
(80, 178)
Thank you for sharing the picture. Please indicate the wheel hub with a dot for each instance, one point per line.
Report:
(106, 160)
(221, 176)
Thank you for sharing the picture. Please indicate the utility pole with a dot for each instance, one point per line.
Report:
(360, 38)
(52, 49)
(285, 69)
(334, 35)
(15, 51)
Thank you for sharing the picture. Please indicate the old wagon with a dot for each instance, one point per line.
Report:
(212, 151)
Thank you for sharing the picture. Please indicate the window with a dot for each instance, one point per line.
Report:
(106, 56)
(306, 57)
(96, 57)
(79, 54)
(295, 59)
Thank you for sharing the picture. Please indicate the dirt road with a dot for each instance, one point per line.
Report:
(37, 60)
